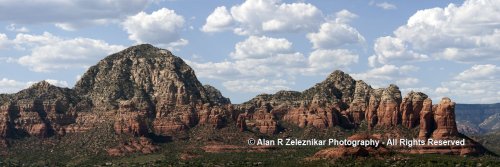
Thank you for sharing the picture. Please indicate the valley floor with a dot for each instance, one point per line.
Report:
(190, 150)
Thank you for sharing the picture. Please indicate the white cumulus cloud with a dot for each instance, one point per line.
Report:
(10, 86)
(389, 74)
(49, 52)
(333, 35)
(219, 20)
(160, 28)
(253, 58)
(486, 71)
(344, 16)
(267, 59)
(462, 33)
(477, 84)
(4, 41)
(325, 61)
(255, 62)
(407, 81)
(389, 49)
(254, 17)
(260, 47)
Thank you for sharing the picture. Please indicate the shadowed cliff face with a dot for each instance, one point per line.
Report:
(146, 91)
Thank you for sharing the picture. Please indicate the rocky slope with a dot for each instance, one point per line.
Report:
(477, 119)
(148, 92)
(41, 110)
(143, 88)
(146, 84)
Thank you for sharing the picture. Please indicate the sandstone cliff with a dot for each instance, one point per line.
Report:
(41, 110)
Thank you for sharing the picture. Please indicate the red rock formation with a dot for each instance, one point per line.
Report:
(131, 117)
(341, 152)
(170, 120)
(4, 120)
(265, 122)
(241, 122)
(373, 104)
(131, 123)
(262, 119)
(142, 145)
(444, 116)
(357, 111)
(80, 122)
(360, 104)
(426, 120)
(411, 108)
(168, 126)
(297, 116)
(388, 111)
(317, 116)
(31, 118)
(215, 116)
(146, 89)
(347, 151)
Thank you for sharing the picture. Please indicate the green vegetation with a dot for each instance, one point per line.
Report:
(490, 141)
(187, 150)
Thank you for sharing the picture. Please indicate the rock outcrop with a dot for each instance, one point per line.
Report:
(411, 107)
(444, 118)
(438, 121)
(215, 96)
(324, 105)
(345, 151)
(147, 91)
(360, 103)
(342, 101)
(142, 145)
(265, 121)
(39, 111)
(426, 120)
(143, 72)
(388, 110)
(373, 104)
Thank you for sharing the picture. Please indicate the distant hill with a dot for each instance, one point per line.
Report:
(475, 119)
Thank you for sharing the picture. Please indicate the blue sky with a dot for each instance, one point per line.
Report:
(244, 48)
